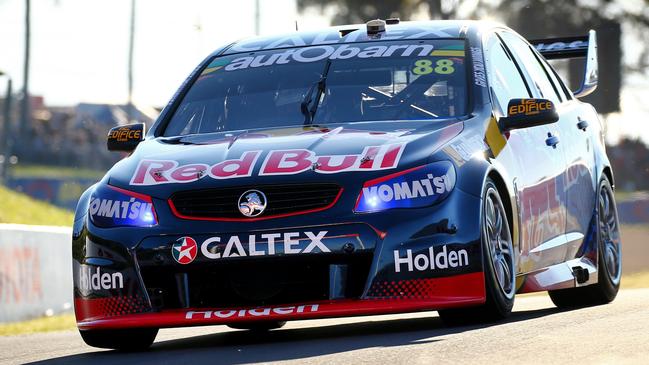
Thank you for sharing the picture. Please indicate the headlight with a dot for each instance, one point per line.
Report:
(114, 207)
(413, 188)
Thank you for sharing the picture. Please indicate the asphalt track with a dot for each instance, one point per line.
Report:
(537, 332)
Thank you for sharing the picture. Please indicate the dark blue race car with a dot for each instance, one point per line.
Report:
(368, 169)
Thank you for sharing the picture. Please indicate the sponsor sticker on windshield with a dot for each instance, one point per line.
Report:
(342, 52)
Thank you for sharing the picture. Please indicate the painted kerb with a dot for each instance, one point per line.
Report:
(35, 271)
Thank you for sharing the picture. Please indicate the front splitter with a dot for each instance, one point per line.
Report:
(461, 290)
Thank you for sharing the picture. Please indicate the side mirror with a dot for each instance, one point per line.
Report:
(525, 113)
(125, 138)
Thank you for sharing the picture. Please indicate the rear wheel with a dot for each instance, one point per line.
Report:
(608, 256)
(498, 262)
(127, 340)
(258, 326)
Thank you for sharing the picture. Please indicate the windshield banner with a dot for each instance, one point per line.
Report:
(323, 52)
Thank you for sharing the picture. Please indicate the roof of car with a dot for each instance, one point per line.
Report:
(359, 33)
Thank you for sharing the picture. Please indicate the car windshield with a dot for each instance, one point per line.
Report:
(373, 81)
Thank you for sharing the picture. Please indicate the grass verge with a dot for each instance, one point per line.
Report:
(46, 324)
(19, 208)
(635, 281)
(55, 172)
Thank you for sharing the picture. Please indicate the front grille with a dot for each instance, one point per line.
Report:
(254, 282)
(281, 200)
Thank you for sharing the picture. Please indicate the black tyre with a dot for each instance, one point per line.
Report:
(609, 268)
(498, 262)
(258, 326)
(125, 340)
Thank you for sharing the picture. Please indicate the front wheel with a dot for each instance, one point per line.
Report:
(609, 268)
(126, 340)
(498, 265)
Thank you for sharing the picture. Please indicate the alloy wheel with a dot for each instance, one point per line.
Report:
(499, 242)
(609, 234)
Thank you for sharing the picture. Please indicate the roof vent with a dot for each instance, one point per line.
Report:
(375, 26)
(392, 21)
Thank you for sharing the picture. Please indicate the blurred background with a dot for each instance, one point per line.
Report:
(72, 69)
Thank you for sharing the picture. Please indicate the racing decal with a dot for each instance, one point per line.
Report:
(125, 134)
(110, 206)
(442, 67)
(495, 140)
(119, 209)
(479, 74)
(115, 306)
(342, 52)
(97, 279)
(265, 244)
(449, 52)
(467, 147)
(456, 286)
(528, 106)
(298, 40)
(125, 138)
(431, 260)
(277, 162)
(252, 313)
(561, 46)
(543, 213)
(417, 187)
(184, 250)
(319, 53)
(215, 65)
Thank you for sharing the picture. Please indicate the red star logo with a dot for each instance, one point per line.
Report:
(184, 250)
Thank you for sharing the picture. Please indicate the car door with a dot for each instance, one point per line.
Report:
(579, 125)
(541, 192)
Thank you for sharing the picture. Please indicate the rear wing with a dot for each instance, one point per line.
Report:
(573, 47)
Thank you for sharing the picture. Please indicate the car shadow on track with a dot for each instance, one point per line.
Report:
(238, 347)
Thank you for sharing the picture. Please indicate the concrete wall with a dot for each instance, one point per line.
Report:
(35, 271)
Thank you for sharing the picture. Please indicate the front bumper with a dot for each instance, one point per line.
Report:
(402, 261)
(450, 292)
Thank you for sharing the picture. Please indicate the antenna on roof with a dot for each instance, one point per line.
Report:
(296, 26)
(375, 26)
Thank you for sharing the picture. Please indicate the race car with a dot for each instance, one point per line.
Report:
(369, 169)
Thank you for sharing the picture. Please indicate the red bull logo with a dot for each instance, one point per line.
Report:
(277, 162)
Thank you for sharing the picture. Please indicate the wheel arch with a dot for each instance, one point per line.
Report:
(508, 196)
(479, 170)
(505, 195)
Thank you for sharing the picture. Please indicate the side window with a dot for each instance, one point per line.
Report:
(556, 79)
(504, 77)
(535, 71)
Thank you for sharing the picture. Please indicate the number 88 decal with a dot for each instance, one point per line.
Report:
(442, 67)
